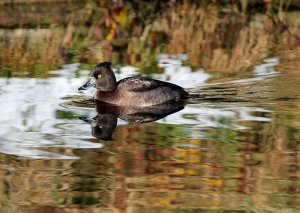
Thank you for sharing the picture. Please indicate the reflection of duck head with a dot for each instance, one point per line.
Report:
(103, 125)
(105, 122)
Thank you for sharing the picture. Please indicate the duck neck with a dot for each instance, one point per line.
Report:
(105, 96)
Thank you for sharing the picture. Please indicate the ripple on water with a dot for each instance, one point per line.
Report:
(232, 148)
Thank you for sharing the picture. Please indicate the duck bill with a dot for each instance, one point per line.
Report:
(90, 83)
(87, 120)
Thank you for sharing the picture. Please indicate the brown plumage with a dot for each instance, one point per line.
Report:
(133, 91)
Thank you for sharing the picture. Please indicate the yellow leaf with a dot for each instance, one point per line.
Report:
(179, 171)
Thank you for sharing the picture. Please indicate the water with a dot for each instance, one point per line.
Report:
(233, 148)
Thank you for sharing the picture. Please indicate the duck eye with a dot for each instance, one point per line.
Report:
(99, 76)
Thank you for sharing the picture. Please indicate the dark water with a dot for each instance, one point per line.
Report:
(233, 148)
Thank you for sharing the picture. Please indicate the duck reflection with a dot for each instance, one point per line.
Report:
(104, 124)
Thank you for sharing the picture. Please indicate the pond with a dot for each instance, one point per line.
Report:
(232, 147)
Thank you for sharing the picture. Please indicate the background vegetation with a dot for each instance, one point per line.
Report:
(216, 35)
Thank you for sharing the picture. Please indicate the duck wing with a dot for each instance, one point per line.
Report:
(135, 84)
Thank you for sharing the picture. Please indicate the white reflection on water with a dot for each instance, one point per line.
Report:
(13, 148)
(211, 115)
(261, 72)
(29, 116)
(30, 108)
(176, 73)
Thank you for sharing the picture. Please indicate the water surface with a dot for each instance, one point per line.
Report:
(234, 146)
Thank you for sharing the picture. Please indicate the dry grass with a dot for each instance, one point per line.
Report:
(29, 50)
(215, 38)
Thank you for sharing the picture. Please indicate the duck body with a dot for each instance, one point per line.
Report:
(133, 91)
(136, 91)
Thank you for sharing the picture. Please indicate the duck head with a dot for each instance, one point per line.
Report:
(102, 77)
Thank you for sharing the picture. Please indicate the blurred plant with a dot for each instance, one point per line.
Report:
(215, 36)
